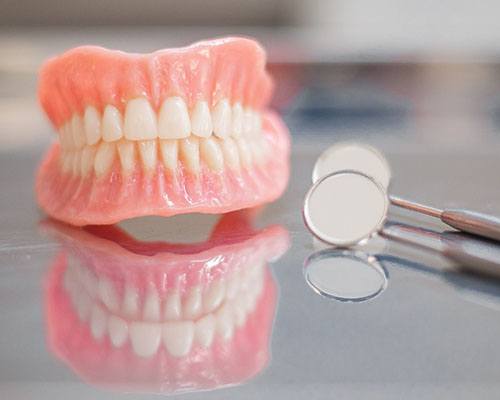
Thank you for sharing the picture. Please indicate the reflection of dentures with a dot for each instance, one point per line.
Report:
(162, 317)
(190, 123)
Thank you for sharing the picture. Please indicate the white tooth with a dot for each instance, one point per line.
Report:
(233, 286)
(112, 124)
(192, 305)
(239, 312)
(190, 154)
(256, 123)
(211, 152)
(130, 305)
(230, 153)
(247, 122)
(178, 337)
(169, 153)
(173, 121)
(172, 306)
(83, 305)
(89, 281)
(214, 296)
(237, 122)
(65, 136)
(256, 150)
(149, 153)
(152, 306)
(107, 294)
(244, 151)
(117, 330)
(126, 151)
(204, 330)
(66, 161)
(92, 125)
(104, 158)
(140, 120)
(145, 338)
(221, 118)
(76, 167)
(224, 323)
(87, 162)
(248, 301)
(201, 120)
(97, 322)
(77, 131)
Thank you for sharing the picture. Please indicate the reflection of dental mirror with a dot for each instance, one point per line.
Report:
(345, 275)
(342, 157)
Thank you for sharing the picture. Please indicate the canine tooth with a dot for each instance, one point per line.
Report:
(214, 296)
(77, 131)
(126, 152)
(92, 125)
(204, 330)
(244, 151)
(130, 305)
(107, 294)
(140, 120)
(224, 324)
(192, 305)
(149, 153)
(237, 122)
(169, 153)
(117, 330)
(104, 158)
(172, 306)
(87, 162)
(201, 120)
(221, 119)
(247, 122)
(145, 338)
(178, 337)
(173, 121)
(97, 322)
(230, 153)
(190, 153)
(211, 152)
(152, 306)
(112, 124)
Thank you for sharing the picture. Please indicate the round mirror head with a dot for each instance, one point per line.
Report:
(345, 275)
(353, 156)
(345, 208)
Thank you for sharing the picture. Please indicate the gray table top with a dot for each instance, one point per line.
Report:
(430, 334)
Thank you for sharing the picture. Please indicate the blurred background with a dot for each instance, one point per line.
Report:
(405, 73)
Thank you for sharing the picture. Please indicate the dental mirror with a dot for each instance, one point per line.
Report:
(345, 208)
(345, 275)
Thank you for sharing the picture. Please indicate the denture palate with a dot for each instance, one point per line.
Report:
(225, 135)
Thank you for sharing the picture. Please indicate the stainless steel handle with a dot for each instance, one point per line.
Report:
(473, 222)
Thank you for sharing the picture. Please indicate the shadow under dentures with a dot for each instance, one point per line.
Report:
(159, 317)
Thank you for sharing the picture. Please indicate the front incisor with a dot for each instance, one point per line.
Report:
(211, 152)
(140, 120)
(173, 120)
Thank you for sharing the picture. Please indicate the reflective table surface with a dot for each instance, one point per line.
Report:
(79, 308)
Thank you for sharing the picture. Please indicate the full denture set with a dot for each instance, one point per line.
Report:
(175, 131)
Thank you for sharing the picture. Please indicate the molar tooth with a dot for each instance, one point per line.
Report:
(172, 306)
(140, 120)
(204, 330)
(152, 306)
(173, 121)
(178, 337)
(126, 151)
(230, 153)
(117, 330)
(190, 154)
(87, 162)
(244, 151)
(92, 125)
(212, 154)
(169, 153)
(221, 118)
(192, 305)
(77, 131)
(201, 120)
(145, 338)
(130, 305)
(237, 122)
(104, 158)
(149, 153)
(112, 124)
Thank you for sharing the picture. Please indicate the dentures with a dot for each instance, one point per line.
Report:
(163, 317)
(175, 131)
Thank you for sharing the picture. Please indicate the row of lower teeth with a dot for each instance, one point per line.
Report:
(191, 152)
(173, 121)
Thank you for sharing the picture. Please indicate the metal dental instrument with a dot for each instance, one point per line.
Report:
(370, 162)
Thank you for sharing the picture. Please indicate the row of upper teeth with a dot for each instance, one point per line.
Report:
(174, 121)
(212, 151)
(195, 319)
